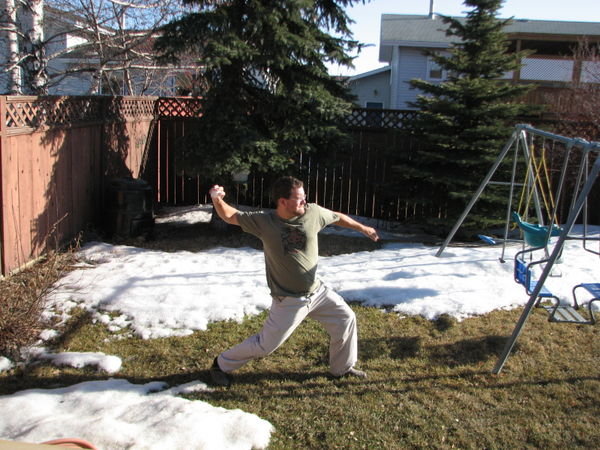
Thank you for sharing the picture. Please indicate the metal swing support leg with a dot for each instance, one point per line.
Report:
(581, 198)
(530, 184)
(510, 197)
(482, 186)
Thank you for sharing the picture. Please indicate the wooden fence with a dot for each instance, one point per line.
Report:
(363, 181)
(353, 182)
(57, 153)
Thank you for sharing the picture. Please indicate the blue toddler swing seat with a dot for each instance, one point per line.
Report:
(533, 234)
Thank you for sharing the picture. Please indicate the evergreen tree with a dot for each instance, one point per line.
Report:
(464, 121)
(267, 95)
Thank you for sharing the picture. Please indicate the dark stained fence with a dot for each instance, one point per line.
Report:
(354, 181)
(365, 180)
(361, 182)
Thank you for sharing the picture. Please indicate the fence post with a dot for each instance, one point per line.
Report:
(2, 202)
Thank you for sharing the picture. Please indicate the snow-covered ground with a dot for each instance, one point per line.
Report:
(151, 294)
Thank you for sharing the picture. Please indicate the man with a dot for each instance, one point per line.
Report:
(289, 236)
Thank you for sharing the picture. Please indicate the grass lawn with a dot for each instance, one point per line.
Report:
(429, 385)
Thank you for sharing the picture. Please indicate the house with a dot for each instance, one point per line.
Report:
(405, 39)
(372, 88)
(104, 60)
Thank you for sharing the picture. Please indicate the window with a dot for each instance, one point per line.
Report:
(434, 70)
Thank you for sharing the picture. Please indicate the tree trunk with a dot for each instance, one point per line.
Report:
(36, 64)
(14, 84)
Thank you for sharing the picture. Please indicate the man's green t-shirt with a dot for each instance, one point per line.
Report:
(291, 247)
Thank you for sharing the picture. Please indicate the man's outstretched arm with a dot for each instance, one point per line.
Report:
(225, 211)
(347, 222)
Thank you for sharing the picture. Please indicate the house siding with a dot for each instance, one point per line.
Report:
(4, 60)
(61, 31)
(372, 89)
(76, 84)
(3, 83)
(411, 64)
(405, 38)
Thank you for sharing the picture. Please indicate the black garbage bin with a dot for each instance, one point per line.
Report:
(128, 208)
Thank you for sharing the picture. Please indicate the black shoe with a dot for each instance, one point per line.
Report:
(352, 372)
(218, 376)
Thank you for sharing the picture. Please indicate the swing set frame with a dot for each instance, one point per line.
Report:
(588, 171)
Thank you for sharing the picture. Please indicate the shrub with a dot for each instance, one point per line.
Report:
(22, 301)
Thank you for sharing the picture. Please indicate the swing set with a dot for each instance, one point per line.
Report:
(537, 179)
(579, 166)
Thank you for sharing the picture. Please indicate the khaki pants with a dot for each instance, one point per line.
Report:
(325, 306)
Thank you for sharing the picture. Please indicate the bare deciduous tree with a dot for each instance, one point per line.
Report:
(577, 107)
(103, 45)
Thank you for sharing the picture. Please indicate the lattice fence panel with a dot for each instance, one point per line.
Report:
(134, 108)
(35, 112)
(379, 118)
(179, 107)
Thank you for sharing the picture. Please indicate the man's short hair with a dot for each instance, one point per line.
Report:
(282, 187)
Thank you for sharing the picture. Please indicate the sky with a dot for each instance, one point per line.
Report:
(152, 294)
(367, 18)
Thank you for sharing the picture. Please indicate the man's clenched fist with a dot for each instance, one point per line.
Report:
(216, 191)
